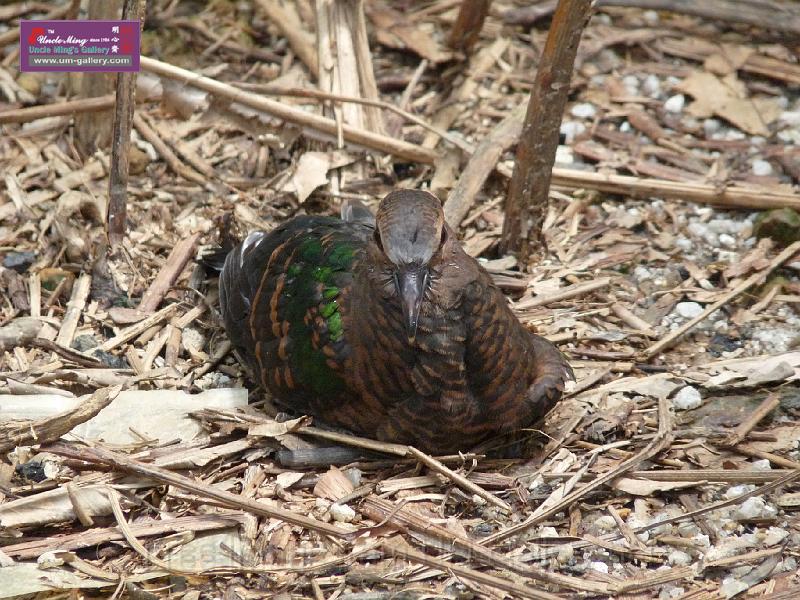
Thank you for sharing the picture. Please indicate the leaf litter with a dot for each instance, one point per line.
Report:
(664, 476)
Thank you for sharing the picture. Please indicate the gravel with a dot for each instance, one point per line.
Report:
(761, 167)
(674, 104)
(687, 398)
(584, 110)
(688, 310)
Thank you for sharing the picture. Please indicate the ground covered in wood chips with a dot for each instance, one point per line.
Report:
(669, 471)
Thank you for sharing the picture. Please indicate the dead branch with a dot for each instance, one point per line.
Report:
(48, 430)
(728, 196)
(116, 215)
(56, 109)
(165, 152)
(310, 123)
(523, 591)
(468, 25)
(235, 501)
(526, 205)
(769, 15)
(480, 165)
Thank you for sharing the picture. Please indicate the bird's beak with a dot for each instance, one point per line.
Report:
(411, 286)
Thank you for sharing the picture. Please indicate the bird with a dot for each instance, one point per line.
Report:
(384, 326)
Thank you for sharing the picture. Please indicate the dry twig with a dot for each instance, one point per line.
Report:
(526, 205)
(308, 121)
(116, 216)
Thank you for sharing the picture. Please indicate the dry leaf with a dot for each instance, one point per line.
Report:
(787, 437)
(749, 372)
(727, 99)
(333, 485)
(729, 59)
(273, 429)
(312, 171)
(73, 207)
(395, 31)
(755, 260)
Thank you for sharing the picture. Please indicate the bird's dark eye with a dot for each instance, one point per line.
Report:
(377, 238)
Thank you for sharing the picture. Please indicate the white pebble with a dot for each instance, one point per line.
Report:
(598, 566)
(548, 532)
(761, 465)
(342, 513)
(711, 126)
(642, 273)
(674, 104)
(602, 18)
(688, 310)
(702, 231)
(564, 155)
(687, 398)
(726, 226)
(788, 136)
(788, 564)
(673, 592)
(354, 475)
(679, 558)
(791, 117)
(565, 554)
(571, 129)
(775, 535)
(734, 135)
(727, 240)
(687, 529)
(652, 86)
(49, 560)
(754, 508)
(584, 110)
(605, 523)
(650, 17)
(193, 339)
(761, 167)
(737, 490)
(732, 586)
(631, 83)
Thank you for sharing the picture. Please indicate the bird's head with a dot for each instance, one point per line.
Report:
(410, 232)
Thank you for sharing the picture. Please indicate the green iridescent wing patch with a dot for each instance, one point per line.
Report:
(318, 268)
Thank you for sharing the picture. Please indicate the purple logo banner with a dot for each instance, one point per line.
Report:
(93, 46)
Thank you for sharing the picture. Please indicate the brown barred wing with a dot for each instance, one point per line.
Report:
(517, 376)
